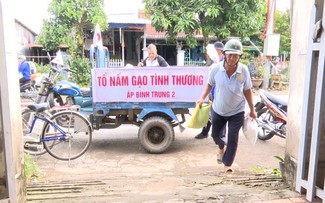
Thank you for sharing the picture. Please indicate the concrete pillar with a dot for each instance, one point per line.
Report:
(145, 53)
(267, 76)
(180, 57)
(10, 113)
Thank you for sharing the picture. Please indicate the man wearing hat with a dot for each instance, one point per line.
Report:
(233, 88)
(219, 47)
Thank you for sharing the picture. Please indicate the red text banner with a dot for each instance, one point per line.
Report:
(149, 84)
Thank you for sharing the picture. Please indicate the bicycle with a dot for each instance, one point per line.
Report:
(32, 148)
(66, 135)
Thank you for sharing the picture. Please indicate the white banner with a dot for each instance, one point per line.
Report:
(149, 84)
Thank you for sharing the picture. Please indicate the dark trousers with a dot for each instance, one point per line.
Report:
(23, 80)
(24, 84)
(219, 122)
(206, 129)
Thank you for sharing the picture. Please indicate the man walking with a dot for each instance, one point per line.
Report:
(232, 83)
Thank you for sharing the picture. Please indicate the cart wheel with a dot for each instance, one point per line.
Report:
(156, 134)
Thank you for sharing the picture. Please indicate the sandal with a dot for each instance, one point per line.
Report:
(220, 155)
(228, 169)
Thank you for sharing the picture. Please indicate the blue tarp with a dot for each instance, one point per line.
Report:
(125, 25)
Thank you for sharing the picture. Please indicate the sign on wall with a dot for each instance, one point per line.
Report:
(271, 45)
(149, 84)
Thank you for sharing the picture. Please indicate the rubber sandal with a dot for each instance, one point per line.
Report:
(220, 156)
(228, 169)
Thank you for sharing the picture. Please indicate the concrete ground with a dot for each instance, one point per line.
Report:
(117, 169)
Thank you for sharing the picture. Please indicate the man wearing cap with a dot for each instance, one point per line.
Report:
(232, 89)
(205, 130)
(219, 47)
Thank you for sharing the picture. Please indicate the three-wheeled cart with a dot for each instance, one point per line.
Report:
(154, 98)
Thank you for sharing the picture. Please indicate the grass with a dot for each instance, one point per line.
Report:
(31, 168)
(258, 170)
(281, 160)
(262, 171)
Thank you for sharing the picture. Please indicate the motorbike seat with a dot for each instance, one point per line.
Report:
(275, 99)
(85, 92)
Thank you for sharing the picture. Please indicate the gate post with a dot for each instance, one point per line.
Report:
(180, 57)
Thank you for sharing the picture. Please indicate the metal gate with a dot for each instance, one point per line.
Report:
(189, 62)
(310, 177)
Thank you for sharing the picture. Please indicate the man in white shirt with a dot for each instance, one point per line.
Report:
(153, 58)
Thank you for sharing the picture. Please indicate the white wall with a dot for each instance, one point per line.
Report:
(300, 19)
(301, 12)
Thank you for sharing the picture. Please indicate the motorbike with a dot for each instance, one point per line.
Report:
(29, 89)
(27, 92)
(271, 113)
(73, 94)
(66, 93)
(50, 89)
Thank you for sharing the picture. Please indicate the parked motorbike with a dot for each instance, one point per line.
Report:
(67, 93)
(50, 89)
(271, 115)
(29, 89)
(45, 92)
(73, 94)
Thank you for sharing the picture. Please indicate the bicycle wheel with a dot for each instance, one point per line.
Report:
(32, 148)
(75, 140)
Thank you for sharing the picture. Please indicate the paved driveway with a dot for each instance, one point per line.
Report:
(117, 169)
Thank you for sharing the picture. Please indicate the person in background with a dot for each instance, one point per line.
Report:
(233, 86)
(205, 130)
(24, 70)
(251, 68)
(153, 58)
(219, 47)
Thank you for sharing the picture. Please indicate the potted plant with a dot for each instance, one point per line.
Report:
(257, 70)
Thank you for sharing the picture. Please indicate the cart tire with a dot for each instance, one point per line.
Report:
(156, 134)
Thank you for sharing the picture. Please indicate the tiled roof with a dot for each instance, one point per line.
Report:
(163, 36)
(151, 33)
(131, 19)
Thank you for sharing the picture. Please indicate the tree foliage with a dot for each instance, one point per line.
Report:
(222, 18)
(70, 19)
(282, 26)
(69, 22)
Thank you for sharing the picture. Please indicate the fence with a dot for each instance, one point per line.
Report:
(189, 62)
(115, 63)
(194, 63)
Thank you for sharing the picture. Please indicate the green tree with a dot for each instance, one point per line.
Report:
(222, 18)
(69, 24)
(282, 26)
